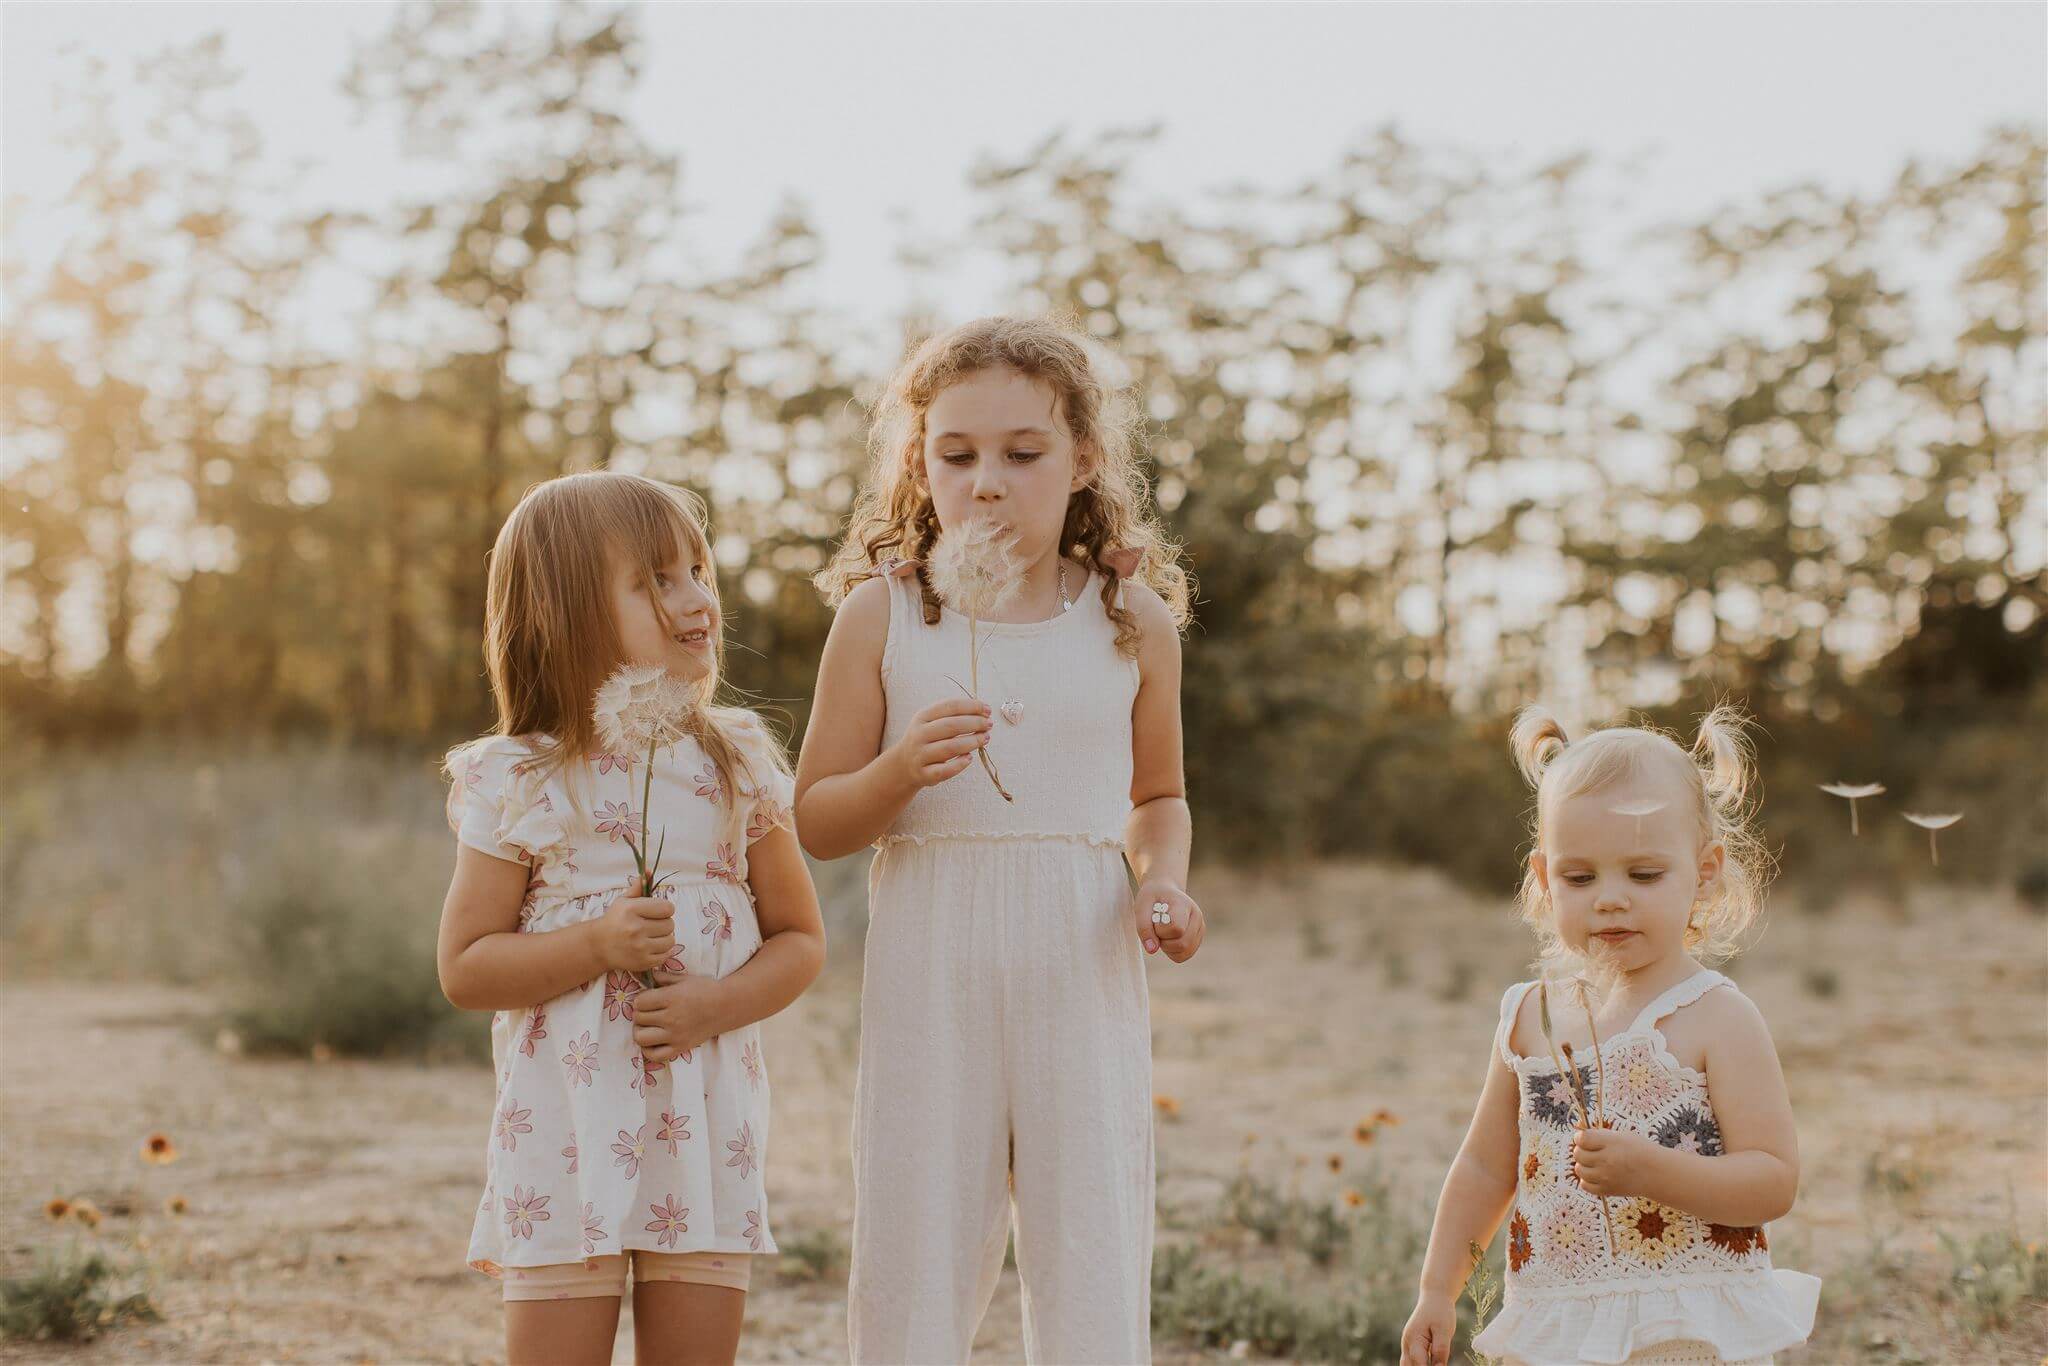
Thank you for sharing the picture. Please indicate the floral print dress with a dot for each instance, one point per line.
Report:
(592, 1152)
(1674, 1287)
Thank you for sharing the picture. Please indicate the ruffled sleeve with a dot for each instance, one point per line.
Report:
(769, 795)
(497, 802)
(1510, 1006)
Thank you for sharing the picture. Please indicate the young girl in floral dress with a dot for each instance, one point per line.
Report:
(631, 1122)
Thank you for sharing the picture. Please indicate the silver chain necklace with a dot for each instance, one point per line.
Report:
(1064, 602)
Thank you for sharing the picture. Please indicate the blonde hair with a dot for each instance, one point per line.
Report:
(550, 638)
(1719, 774)
(894, 516)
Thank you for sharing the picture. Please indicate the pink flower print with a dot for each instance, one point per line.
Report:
(708, 784)
(673, 1127)
(607, 762)
(717, 921)
(566, 856)
(674, 962)
(766, 817)
(618, 820)
(593, 1231)
(742, 1149)
(668, 1221)
(581, 1060)
(645, 1074)
(529, 911)
(523, 1209)
(753, 1229)
(511, 1124)
(472, 777)
(632, 1151)
(619, 990)
(751, 1057)
(547, 803)
(723, 868)
(570, 1153)
(536, 1029)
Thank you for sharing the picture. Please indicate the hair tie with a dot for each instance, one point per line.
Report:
(895, 567)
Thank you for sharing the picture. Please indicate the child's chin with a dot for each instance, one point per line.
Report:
(688, 664)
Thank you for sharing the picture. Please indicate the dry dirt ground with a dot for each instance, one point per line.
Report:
(329, 1202)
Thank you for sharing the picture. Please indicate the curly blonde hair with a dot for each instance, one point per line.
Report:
(1719, 775)
(894, 516)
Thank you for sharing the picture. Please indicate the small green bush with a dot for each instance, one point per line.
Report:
(70, 1296)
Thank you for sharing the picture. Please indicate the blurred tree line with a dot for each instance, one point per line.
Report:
(1427, 460)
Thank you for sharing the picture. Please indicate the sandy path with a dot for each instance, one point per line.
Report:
(330, 1201)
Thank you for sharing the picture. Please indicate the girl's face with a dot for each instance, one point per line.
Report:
(996, 447)
(687, 645)
(1622, 885)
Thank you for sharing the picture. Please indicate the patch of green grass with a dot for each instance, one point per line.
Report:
(337, 947)
(1344, 1290)
(71, 1296)
(817, 1255)
(1992, 1275)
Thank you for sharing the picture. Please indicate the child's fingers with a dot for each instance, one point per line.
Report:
(946, 727)
(934, 774)
(954, 706)
(1142, 910)
(966, 744)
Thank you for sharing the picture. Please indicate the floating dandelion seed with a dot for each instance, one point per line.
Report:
(1166, 1105)
(1931, 823)
(1638, 810)
(1855, 792)
(159, 1149)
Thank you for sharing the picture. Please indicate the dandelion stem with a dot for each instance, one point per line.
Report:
(974, 676)
(1569, 1073)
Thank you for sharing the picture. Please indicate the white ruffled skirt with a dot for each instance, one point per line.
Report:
(1738, 1318)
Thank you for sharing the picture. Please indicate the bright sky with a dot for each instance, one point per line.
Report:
(872, 114)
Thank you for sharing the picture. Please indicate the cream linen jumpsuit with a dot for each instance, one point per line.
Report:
(1004, 1024)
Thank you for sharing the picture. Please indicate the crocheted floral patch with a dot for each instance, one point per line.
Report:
(1738, 1242)
(1690, 1130)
